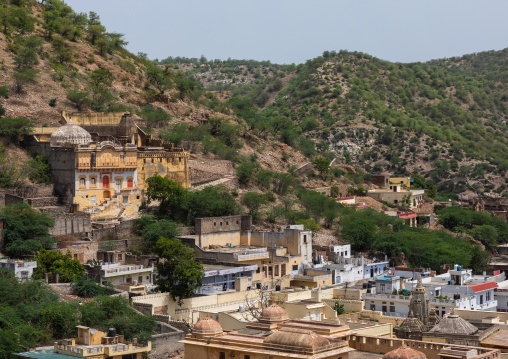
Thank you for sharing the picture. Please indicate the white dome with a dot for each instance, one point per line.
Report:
(70, 134)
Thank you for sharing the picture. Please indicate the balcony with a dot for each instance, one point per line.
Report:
(248, 255)
(123, 270)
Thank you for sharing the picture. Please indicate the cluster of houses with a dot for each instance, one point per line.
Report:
(264, 294)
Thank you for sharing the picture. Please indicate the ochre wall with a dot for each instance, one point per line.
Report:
(172, 165)
(92, 118)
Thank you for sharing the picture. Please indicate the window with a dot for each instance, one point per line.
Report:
(295, 267)
(373, 307)
(130, 183)
(94, 200)
(92, 180)
(125, 200)
(118, 184)
(304, 238)
(222, 355)
(246, 357)
(392, 308)
(81, 181)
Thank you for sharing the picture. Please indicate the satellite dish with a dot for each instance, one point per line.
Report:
(92, 331)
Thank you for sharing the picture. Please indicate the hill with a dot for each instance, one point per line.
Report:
(444, 120)
(54, 59)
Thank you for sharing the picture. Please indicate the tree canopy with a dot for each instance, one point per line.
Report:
(26, 231)
(178, 272)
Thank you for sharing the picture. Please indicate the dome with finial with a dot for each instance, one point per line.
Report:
(207, 327)
(453, 324)
(404, 352)
(273, 314)
(70, 134)
(295, 338)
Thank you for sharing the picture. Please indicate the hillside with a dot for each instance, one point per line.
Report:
(444, 120)
(55, 60)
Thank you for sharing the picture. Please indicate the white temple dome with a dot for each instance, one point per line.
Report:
(70, 134)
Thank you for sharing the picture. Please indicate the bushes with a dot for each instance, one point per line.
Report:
(53, 262)
(26, 230)
(246, 172)
(86, 287)
(482, 226)
(13, 127)
(184, 206)
(368, 230)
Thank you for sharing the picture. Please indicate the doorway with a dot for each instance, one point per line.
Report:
(105, 182)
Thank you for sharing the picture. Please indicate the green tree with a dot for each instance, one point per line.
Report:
(24, 76)
(40, 170)
(179, 273)
(154, 231)
(479, 259)
(86, 287)
(487, 235)
(167, 192)
(95, 32)
(12, 128)
(309, 225)
(99, 83)
(246, 172)
(322, 165)
(253, 201)
(432, 191)
(26, 230)
(53, 262)
(160, 78)
(80, 99)
(339, 308)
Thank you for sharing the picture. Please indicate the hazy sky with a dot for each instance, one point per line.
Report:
(287, 31)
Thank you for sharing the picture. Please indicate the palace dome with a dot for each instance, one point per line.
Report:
(404, 352)
(207, 327)
(297, 338)
(273, 314)
(70, 134)
(453, 324)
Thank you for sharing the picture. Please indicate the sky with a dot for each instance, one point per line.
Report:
(293, 31)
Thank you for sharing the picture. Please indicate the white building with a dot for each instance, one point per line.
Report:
(343, 251)
(458, 288)
(23, 270)
(354, 269)
(118, 274)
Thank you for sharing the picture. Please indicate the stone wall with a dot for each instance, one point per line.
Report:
(121, 229)
(35, 191)
(34, 202)
(166, 342)
(381, 346)
(223, 224)
(205, 170)
(76, 224)
(145, 308)
(82, 251)
(42, 201)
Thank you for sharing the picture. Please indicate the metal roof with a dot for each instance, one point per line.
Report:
(44, 354)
